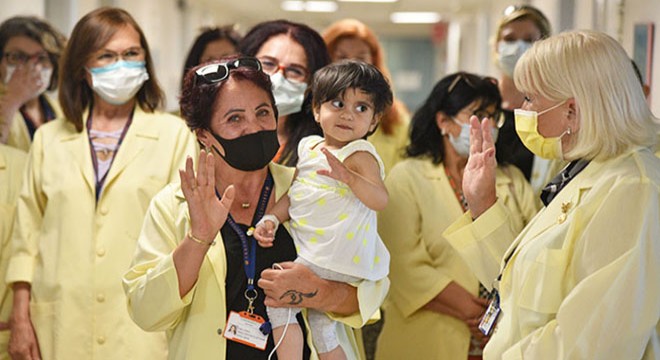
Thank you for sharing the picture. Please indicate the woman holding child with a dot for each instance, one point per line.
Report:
(202, 271)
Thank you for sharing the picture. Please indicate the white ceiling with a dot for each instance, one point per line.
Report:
(375, 15)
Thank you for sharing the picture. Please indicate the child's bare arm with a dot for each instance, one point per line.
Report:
(361, 172)
(265, 229)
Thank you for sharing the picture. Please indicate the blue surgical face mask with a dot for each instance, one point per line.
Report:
(508, 54)
(461, 143)
(118, 83)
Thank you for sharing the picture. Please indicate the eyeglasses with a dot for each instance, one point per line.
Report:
(295, 73)
(107, 57)
(217, 72)
(497, 116)
(20, 58)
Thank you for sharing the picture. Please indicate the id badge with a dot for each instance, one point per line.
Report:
(243, 327)
(490, 316)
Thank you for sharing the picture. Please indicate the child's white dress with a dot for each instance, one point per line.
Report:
(334, 232)
(330, 226)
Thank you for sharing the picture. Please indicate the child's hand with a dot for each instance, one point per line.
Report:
(264, 231)
(338, 170)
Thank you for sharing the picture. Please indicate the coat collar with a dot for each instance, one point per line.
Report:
(140, 134)
(562, 206)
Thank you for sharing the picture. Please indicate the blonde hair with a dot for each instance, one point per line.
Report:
(593, 69)
(351, 28)
(523, 12)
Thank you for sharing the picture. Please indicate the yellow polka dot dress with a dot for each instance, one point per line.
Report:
(331, 227)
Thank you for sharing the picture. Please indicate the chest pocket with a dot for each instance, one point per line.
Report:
(544, 282)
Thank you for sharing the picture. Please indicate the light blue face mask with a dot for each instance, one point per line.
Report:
(462, 143)
(118, 82)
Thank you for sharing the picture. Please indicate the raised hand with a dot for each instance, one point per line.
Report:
(25, 82)
(338, 170)
(479, 173)
(207, 212)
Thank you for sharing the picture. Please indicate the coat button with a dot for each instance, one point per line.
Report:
(100, 252)
(100, 298)
(100, 340)
(219, 331)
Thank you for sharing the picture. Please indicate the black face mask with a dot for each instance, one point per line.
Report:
(250, 152)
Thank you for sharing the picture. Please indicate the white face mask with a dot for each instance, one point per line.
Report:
(462, 143)
(117, 83)
(508, 53)
(288, 95)
(44, 72)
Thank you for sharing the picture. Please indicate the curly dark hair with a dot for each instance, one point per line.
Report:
(198, 96)
(449, 96)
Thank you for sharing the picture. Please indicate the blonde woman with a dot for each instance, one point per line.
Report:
(582, 280)
(518, 28)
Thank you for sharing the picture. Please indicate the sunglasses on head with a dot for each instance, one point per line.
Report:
(466, 79)
(217, 72)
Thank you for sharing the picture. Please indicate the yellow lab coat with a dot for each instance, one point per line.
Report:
(19, 136)
(422, 205)
(195, 322)
(12, 164)
(74, 251)
(584, 278)
(391, 147)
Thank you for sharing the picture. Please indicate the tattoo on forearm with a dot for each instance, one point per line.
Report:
(296, 297)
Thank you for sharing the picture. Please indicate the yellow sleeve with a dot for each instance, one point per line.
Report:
(29, 216)
(12, 164)
(482, 243)
(612, 311)
(416, 279)
(370, 296)
(528, 201)
(152, 278)
(185, 145)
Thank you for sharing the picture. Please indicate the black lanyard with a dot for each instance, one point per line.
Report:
(248, 244)
(101, 181)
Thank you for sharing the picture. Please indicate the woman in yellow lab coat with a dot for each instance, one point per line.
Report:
(12, 163)
(352, 39)
(434, 300)
(30, 50)
(582, 280)
(90, 178)
(191, 269)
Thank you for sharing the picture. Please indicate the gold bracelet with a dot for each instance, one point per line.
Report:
(200, 241)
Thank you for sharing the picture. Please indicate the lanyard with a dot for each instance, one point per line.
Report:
(248, 244)
(101, 181)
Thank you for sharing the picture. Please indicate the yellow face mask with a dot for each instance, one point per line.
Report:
(527, 129)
